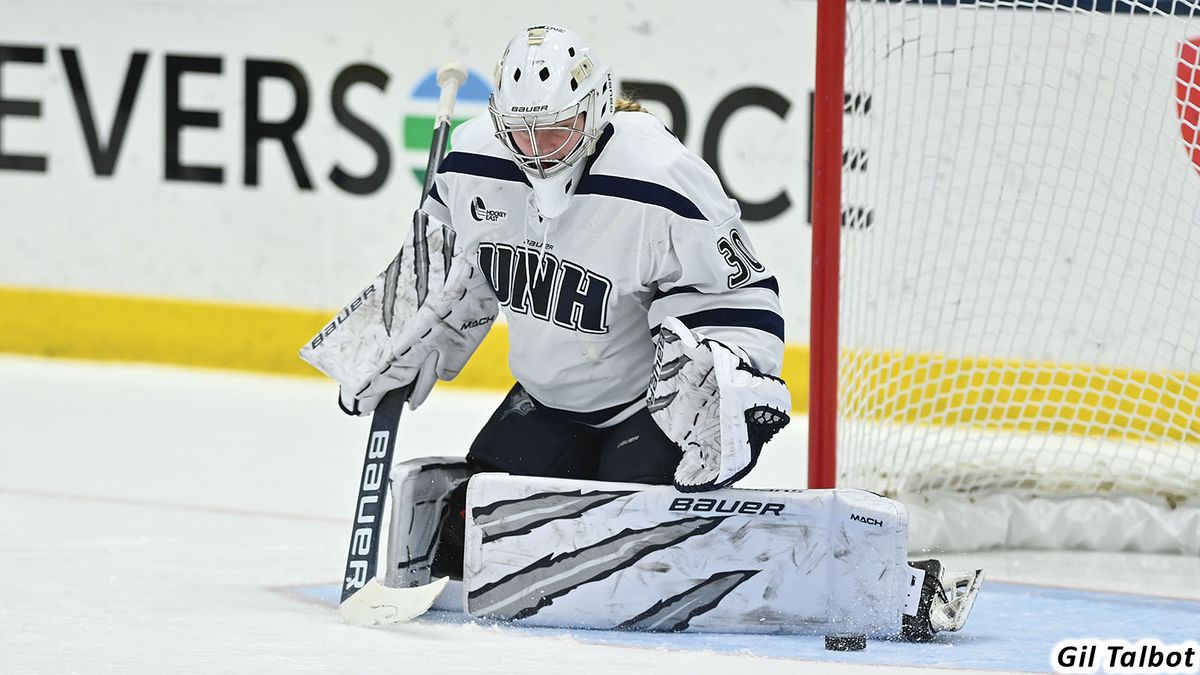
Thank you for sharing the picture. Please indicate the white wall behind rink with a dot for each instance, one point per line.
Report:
(136, 232)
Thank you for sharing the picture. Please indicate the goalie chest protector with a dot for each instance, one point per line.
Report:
(588, 554)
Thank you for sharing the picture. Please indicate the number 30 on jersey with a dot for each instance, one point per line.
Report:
(738, 255)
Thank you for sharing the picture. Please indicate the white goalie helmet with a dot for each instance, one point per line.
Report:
(551, 103)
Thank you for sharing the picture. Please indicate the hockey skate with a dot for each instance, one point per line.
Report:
(946, 601)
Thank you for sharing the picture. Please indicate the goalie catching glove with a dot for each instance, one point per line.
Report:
(714, 405)
(370, 355)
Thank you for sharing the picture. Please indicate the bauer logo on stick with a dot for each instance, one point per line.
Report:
(368, 511)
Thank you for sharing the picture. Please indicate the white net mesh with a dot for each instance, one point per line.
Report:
(1020, 291)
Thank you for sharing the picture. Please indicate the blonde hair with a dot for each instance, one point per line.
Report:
(629, 105)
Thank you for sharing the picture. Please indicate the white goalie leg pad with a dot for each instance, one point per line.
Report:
(590, 554)
(420, 491)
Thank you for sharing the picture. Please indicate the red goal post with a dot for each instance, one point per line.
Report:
(1006, 267)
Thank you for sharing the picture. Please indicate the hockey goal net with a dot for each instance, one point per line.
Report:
(1014, 210)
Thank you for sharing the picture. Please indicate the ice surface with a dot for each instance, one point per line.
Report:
(168, 520)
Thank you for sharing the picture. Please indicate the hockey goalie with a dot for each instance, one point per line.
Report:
(646, 339)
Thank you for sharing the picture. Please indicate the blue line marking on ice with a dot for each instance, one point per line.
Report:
(1013, 627)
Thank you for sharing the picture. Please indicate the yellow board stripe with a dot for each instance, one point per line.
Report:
(103, 327)
(894, 387)
(113, 328)
(1031, 396)
(184, 332)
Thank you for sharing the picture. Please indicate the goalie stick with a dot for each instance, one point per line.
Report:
(365, 601)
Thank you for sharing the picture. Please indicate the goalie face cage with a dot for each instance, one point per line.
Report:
(1010, 191)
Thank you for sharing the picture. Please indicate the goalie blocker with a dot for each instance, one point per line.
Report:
(590, 554)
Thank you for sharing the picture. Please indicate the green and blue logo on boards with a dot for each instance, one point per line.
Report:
(418, 122)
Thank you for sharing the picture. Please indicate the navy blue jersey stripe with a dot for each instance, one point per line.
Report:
(605, 136)
(433, 192)
(485, 166)
(675, 291)
(760, 319)
(769, 283)
(639, 191)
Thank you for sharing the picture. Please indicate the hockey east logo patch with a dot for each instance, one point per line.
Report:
(481, 213)
(541, 285)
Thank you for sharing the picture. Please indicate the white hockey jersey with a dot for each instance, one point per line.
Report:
(649, 233)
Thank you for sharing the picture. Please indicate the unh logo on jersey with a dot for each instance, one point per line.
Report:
(560, 291)
(482, 213)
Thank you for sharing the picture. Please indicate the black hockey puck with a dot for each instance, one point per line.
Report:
(846, 642)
